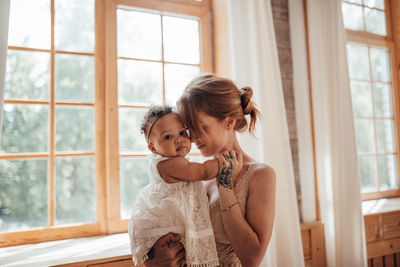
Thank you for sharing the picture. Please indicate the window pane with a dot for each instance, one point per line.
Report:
(352, 17)
(30, 23)
(74, 129)
(139, 82)
(139, 34)
(385, 136)
(176, 78)
(74, 25)
(25, 128)
(23, 194)
(361, 99)
(380, 65)
(383, 100)
(388, 172)
(75, 191)
(354, 1)
(133, 179)
(130, 138)
(375, 3)
(365, 136)
(74, 78)
(27, 75)
(357, 57)
(368, 173)
(375, 21)
(181, 40)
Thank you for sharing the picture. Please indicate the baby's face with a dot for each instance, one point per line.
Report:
(169, 137)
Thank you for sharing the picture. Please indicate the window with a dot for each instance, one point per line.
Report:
(154, 65)
(80, 75)
(373, 82)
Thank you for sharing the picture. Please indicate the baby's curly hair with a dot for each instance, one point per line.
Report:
(151, 116)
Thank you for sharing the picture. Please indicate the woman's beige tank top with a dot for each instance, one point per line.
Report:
(226, 255)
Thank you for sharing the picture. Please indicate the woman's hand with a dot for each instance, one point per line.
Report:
(237, 161)
(168, 252)
(231, 162)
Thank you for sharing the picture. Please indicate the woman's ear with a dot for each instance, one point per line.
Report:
(151, 147)
(230, 122)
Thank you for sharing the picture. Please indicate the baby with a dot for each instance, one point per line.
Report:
(175, 200)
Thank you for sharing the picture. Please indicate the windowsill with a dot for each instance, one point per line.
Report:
(380, 205)
(66, 251)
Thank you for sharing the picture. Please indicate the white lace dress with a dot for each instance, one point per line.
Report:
(181, 208)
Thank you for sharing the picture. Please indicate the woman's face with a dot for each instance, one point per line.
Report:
(216, 135)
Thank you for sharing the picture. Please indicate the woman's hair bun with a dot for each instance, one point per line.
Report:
(245, 96)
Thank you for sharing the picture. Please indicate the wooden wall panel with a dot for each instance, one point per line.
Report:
(313, 237)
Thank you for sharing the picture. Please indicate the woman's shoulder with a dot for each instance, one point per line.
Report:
(262, 171)
(263, 180)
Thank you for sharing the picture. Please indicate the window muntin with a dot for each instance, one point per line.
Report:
(153, 69)
(365, 15)
(67, 95)
(48, 115)
(372, 91)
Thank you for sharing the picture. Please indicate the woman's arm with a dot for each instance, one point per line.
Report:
(250, 235)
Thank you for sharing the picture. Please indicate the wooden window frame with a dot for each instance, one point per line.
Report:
(391, 43)
(200, 10)
(106, 153)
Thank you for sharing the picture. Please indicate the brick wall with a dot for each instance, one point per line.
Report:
(280, 10)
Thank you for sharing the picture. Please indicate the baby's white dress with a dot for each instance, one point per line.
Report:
(180, 208)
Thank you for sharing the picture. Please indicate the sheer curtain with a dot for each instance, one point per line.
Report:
(254, 59)
(337, 164)
(4, 16)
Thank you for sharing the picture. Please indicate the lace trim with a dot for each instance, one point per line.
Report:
(174, 229)
(209, 264)
(160, 231)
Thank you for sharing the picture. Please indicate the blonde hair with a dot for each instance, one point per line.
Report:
(217, 97)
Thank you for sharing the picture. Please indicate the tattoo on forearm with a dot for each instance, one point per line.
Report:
(224, 178)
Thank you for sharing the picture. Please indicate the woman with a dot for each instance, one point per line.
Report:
(242, 214)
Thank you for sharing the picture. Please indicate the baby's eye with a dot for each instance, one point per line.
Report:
(183, 133)
(204, 127)
(168, 137)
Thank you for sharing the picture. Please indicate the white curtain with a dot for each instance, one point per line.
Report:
(337, 164)
(303, 110)
(4, 15)
(255, 63)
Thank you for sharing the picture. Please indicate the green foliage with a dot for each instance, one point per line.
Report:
(74, 129)
(74, 25)
(74, 78)
(75, 190)
(25, 128)
(23, 194)
(130, 138)
(139, 82)
(27, 75)
(133, 178)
